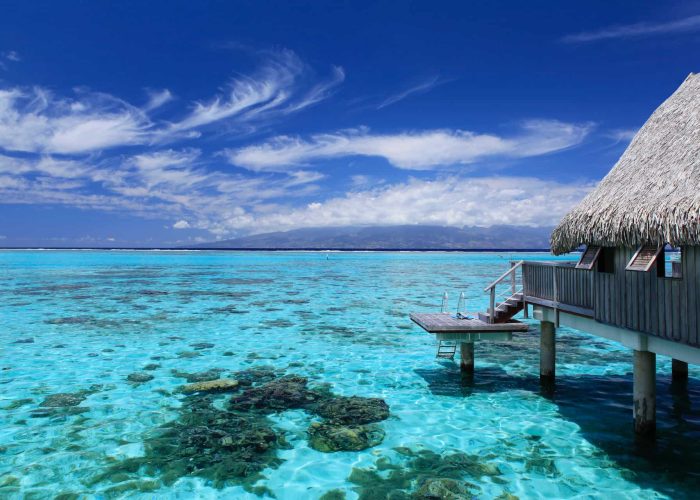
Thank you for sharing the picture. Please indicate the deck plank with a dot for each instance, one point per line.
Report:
(445, 322)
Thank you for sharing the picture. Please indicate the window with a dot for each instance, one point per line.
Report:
(588, 258)
(669, 263)
(644, 258)
(606, 260)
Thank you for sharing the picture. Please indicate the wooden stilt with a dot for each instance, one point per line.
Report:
(644, 409)
(466, 363)
(547, 351)
(679, 370)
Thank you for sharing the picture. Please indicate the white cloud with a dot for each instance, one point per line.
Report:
(164, 184)
(623, 135)
(170, 184)
(363, 181)
(419, 88)
(423, 150)
(36, 121)
(272, 90)
(157, 98)
(685, 25)
(6, 56)
(452, 201)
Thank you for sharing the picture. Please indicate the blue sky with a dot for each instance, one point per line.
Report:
(164, 123)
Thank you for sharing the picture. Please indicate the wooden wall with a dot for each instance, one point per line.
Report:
(665, 307)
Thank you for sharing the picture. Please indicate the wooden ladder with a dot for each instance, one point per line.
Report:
(446, 350)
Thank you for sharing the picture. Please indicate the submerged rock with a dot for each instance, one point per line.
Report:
(139, 377)
(188, 354)
(329, 437)
(211, 386)
(425, 475)
(18, 403)
(204, 376)
(63, 399)
(443, 489)
(282, 394)
(256, 375)
(333, 495)
(354, 410)
(151, 366)
(201, 345)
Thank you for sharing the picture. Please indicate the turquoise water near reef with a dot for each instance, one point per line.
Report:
(74, 321)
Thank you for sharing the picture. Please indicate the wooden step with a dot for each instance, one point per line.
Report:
(485, 317)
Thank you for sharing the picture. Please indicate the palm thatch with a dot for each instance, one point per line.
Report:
(652, 194)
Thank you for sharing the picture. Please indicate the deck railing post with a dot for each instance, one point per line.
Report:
(492, 305)
(512, 278)
(556, 297)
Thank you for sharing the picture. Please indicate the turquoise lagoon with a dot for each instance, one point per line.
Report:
(74, 321)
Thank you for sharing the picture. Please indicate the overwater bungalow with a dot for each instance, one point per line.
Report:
(637, 281)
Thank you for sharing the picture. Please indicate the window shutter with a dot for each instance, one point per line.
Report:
(588, 258)
(644, 258)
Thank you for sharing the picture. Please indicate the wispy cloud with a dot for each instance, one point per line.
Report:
(424, 150)
(8, 56)
(685, 25)
(622, 134)
(35, 120)
(273, 90)
(419, 88)
(157, 98)
(11, 55)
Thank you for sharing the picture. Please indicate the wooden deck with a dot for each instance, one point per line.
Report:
(447, 323)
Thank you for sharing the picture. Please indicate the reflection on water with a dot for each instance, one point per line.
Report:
(95, 346)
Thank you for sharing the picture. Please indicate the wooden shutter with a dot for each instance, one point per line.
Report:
(588, 258)
(644, 258)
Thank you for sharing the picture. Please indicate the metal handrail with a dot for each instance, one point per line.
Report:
(492, 287)
(504, 275)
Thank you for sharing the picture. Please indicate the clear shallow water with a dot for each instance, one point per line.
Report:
(71, 321)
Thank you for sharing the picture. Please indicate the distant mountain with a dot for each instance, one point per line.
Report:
(395, 237)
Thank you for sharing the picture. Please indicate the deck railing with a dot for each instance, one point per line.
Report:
(641, 301)
(505, 286)
(559, 284)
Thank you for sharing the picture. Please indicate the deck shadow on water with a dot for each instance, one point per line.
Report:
(601, 406)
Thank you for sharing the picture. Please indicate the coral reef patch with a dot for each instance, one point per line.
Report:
(330, 437)
(424, 475)
(211, 386)
(232, 445)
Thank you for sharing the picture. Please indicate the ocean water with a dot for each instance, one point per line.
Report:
(80, 322)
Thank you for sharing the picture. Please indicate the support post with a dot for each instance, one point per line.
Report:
(644, 409)
(466, 362)
(679, 371)
(547, 351)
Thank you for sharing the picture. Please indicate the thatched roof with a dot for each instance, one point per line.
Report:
(652, 194)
